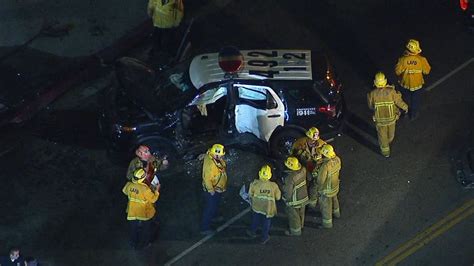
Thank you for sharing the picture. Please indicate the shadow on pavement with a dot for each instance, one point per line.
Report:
(332, 29)
(71, 127)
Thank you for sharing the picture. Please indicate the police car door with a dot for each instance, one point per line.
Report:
(259, 110)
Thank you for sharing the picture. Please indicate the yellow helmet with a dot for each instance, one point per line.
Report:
(380, 80)
(265, 172)
(313, 133)
(413, 46)
(139, 175)
(217, 149)
(328, 151)
(293, 163)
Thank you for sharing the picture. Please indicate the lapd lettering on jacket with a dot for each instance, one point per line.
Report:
(265, 191)
(412, 62)
(134, 190)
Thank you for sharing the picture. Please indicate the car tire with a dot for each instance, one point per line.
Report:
(282, 142)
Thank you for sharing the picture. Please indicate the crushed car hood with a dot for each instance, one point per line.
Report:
(156, 92)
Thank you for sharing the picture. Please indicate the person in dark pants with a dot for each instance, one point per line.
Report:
(212, 202)
(140, 228)
(413, 99)
(214, 183)
(263, 195)
(14, 258)
(141, 207)
(410, 68)
(167, 16)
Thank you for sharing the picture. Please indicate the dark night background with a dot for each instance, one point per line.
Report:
(61, 198)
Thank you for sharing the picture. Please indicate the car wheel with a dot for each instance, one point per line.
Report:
(281, 144)
(161, 148)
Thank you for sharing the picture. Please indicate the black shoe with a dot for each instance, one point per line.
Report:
(264, 241)
(133, 246)
(251, 234)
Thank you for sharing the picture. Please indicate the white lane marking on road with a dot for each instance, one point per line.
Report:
(202, 241)
(441, 80)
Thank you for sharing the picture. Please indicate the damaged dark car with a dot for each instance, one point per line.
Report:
(180, 111)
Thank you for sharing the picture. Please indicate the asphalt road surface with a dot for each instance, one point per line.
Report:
(63, 200)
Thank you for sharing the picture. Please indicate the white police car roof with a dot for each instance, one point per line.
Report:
(258, 64)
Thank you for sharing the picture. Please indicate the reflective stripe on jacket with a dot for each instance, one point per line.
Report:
(214, 176)
(295, 190)
(304, 152)
(328, 177)
(385, 103)
(410, 68)
(141, 201)
(166, 13)
(263, 195)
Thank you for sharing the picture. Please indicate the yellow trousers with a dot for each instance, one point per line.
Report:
(329, 206)
(295, 219)
(385, 134)
(313, 194)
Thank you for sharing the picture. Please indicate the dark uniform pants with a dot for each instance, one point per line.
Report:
(295, 218)
(413, 99)
(313, 195)
(259, 219)
(328, 207)
(142, 231)
(210, 209)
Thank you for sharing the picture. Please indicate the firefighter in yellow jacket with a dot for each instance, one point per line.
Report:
(385, 101)
(308, 149)
(144, 159)
(410, 68)
(214, 183)
(263, 195)
(167, 16)
(295, 195)
(140, 208)
(327, 183)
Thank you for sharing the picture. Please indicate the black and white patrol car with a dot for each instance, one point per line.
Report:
(268, 103)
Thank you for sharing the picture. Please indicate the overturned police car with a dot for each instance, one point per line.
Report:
(264, 104)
